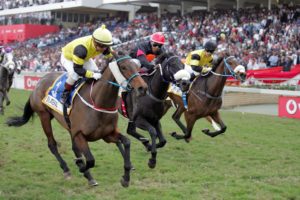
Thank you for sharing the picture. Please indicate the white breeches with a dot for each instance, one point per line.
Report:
(69, 66)
(190, 70)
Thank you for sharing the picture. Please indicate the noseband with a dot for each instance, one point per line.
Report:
(123, 82)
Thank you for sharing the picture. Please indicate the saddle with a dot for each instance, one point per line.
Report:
(53, 95)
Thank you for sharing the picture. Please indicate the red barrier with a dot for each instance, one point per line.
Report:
(22, 32)
(289, 107)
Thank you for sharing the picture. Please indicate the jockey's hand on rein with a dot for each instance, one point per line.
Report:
(96, 76)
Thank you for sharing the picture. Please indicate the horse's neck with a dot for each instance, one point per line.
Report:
(158, 87)
(215, 83)
(105, 94)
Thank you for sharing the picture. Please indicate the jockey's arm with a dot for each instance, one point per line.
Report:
(195, 60)
(144, 62)
(79, 54)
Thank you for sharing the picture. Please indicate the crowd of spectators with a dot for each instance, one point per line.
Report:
(11, 4)
(257, 37)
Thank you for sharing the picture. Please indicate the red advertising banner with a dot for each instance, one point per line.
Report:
(289, 107)
(30, 82)
(22, 32)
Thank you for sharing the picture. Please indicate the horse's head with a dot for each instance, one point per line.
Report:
(172, 70)
(231, 68)
(127, 74)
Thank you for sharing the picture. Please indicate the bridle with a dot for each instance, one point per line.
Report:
(228, 71)
(166, 75)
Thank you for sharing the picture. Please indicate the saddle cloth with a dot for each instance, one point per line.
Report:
(53, 95)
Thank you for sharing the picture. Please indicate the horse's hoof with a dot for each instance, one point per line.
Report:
(188, 139)
(93, 182)
(67, 175)
(124, 183)
(173, 134)
(206, 131)
(151, 163)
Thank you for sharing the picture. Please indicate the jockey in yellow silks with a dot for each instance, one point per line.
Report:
(200, 61)
(77, 57)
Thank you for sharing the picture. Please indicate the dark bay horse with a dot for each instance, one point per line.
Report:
(205, 98)
(146, 112)
(6, 74)
(93, 116)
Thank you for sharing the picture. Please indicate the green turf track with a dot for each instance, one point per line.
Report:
(257, 158)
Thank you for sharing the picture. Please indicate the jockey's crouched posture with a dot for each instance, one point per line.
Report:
(7, 61)
(200, 61)
(77, 57)
(146, 51)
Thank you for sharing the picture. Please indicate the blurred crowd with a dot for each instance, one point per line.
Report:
(257, 37)
(11, 4)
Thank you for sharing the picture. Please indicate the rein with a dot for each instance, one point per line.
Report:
(228, 67)
(120, 78)
(159, 66)
(224, 74)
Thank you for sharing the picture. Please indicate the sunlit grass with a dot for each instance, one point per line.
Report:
(257, 158)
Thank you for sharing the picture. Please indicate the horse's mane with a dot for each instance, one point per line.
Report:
(217, 63)
(163, 56)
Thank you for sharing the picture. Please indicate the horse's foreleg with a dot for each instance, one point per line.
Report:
(81, 145)
(1, 103)
(145, 125)
(162, 141)
(7, 99)
(45, 118)
(215, 118)
(176, 117)
(79, 161)
(131, 130)
(126, 155)
(190, 122)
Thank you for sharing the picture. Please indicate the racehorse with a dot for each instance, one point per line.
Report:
(146, 112)
(94, 115)
(6, 77)
(204, 98)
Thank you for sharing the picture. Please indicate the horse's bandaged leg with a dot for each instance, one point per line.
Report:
(215, 125)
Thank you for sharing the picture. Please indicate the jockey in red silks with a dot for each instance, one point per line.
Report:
(146, 51)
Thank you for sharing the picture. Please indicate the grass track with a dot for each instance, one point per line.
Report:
(257, 158)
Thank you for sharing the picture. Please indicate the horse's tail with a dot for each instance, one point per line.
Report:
(20, 121)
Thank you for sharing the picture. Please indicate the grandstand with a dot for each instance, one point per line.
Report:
(263, 35)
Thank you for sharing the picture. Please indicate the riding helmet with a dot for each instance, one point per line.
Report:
(158, 37)
(210, 46)
(103, 36)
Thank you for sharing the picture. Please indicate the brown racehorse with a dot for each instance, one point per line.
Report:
(94, 115)
(205, 98)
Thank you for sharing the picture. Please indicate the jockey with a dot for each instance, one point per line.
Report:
(200, 61)
(146, 51)
(77, 57)
(7, 61)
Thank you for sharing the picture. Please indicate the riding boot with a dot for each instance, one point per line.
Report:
(193, 76)
(66, 93)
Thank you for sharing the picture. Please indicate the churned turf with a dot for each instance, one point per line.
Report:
(257, 158)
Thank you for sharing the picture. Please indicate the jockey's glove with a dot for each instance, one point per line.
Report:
(97, 76)
(206, 69)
